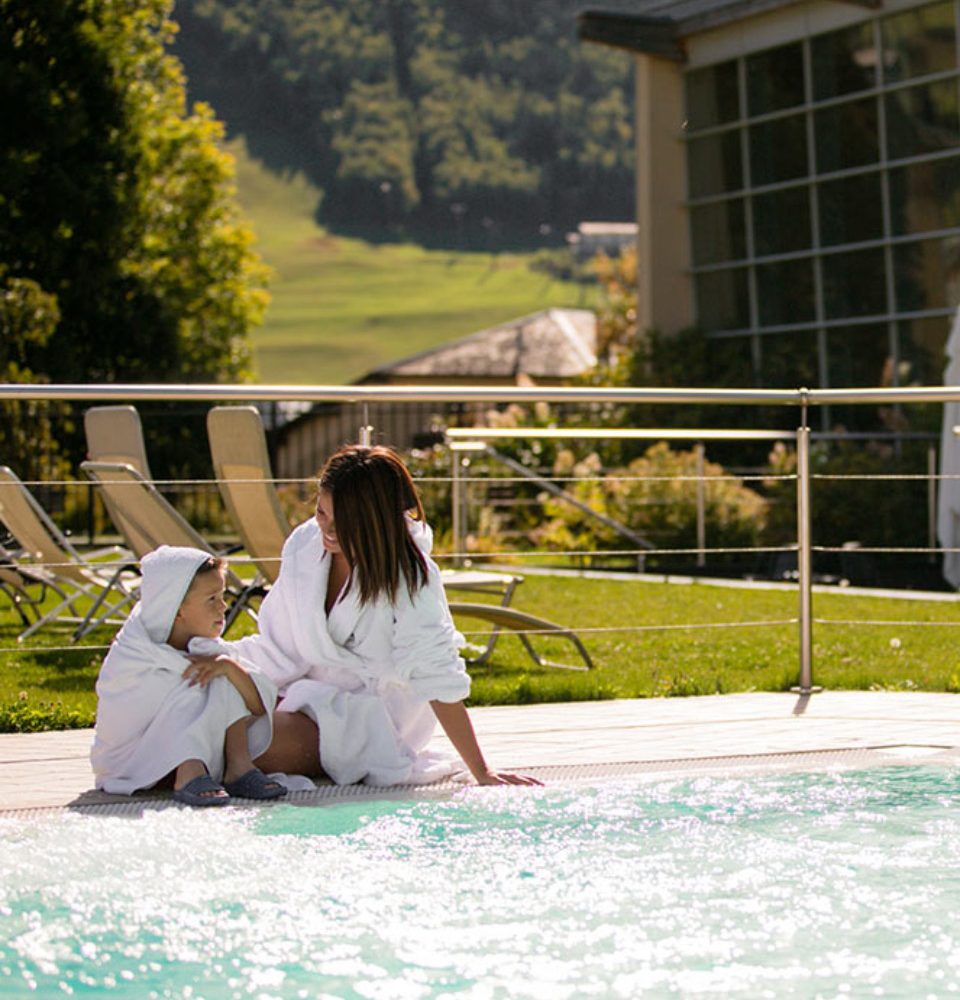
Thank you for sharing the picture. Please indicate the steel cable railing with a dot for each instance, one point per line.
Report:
(805, 399)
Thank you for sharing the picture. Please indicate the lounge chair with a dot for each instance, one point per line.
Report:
(47, 559)
(147, 520)
(522, 624)
(115, 434)
(238, 447)
(501, 616)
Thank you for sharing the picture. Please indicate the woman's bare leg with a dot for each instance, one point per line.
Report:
(295, 748)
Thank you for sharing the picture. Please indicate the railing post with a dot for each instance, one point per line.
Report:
(932, 501)
(804, 561)
(701, 508)
(456, 488)
(366, 429)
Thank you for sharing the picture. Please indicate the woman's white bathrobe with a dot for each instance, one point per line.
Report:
(364, 673)
(149, 719)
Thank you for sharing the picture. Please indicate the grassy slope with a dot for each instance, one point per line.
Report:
(342, 306)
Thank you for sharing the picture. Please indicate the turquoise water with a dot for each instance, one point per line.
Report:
(827, 884)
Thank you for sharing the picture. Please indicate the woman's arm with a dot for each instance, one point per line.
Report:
(204, 668)
(456, 723)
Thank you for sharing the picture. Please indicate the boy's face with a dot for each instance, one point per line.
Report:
(203, 611)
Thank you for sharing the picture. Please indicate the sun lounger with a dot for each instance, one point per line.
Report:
(153, 521)
(502, 616)
(238, 447)
(115, 434)
(47, 559)
(523, 624)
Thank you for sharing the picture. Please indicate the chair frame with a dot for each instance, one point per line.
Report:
(134, 501)
(47, 559)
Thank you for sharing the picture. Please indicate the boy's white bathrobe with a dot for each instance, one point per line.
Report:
(364, 673)
(149, 719)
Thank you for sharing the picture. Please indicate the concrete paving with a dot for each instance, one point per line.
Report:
(51, 770)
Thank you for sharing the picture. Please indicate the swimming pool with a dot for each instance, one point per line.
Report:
(786, 884)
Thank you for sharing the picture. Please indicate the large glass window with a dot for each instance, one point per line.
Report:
(854, 283)
(778, 150)
(925, 196)
(927, 274)
(713, 95)
(843, 61)
(785, 292)
(775, 79)
(781, 221)
(847, 135)
(851, 209)
(841, 153)
(788, 360)
(715, 164)
(723, 301)
(920, 41)
(719, 232)
(922, 119)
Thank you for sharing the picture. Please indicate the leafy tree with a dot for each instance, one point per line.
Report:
(116, 201)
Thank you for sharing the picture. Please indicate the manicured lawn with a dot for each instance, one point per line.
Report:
(342, 306)
(629, 663)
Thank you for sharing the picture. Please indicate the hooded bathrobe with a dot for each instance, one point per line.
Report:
(149, 719)
(364, 673)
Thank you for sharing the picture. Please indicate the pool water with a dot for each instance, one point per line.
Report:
(810, 884)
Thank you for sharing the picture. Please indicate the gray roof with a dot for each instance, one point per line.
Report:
(555, 343)
(658, 26)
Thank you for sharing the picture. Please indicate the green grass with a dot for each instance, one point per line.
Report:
(341, 306)
(629, 664)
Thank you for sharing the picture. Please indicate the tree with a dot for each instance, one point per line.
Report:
(116, 201)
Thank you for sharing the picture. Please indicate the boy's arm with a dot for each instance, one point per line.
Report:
(203, 669)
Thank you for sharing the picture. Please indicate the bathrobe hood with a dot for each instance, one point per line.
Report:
(167, 574)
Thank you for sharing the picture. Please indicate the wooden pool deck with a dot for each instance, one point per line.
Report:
(52, 770)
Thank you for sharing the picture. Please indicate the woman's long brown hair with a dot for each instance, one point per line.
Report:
(372, 493)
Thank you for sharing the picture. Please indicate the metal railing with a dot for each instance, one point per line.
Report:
(803, 399)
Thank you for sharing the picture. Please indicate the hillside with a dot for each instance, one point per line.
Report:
(341, 306)
(483, 121)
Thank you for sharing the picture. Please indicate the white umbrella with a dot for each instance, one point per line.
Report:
(948, 498)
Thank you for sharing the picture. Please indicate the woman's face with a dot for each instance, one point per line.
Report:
(325, 520)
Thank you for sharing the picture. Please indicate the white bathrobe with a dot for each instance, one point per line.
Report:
(365, 673)
(149, 719)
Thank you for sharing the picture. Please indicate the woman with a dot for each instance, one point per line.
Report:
(357, 635)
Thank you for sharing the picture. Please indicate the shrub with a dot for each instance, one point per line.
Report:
(23, 717)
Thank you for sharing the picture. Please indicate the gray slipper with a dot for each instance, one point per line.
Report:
(192, 793)
(255, 785)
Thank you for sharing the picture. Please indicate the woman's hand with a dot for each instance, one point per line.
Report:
(503, 778)
(203, 668)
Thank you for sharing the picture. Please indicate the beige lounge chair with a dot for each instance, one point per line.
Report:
(501, 616)
(153, 521)
(238, 447)
(115, 434)
(523, 624)
(47, 559)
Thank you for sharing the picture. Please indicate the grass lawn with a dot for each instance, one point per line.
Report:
(342, 306)
(629, 664)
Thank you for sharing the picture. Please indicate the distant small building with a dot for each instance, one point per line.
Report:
(610, 238)
(546, 348)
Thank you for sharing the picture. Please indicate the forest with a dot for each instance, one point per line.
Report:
(480, 121)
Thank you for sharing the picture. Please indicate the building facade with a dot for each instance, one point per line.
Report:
(798, 180)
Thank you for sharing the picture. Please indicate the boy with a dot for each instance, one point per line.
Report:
(169, 701)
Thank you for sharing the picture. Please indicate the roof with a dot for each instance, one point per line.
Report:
(657, 27)
(555, 343)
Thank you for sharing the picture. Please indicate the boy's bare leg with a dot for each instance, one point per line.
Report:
(236, 750)
(295, 748)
